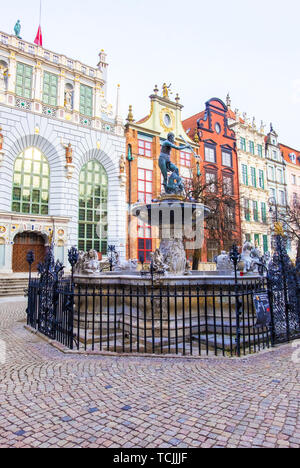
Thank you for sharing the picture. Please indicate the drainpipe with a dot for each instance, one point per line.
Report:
(130, 159)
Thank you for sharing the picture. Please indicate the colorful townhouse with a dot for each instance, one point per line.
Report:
(218, 149)
(144, 138)
(292, 161)
(276, 170)
(254, 191)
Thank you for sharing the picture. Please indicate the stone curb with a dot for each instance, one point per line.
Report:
(65, 350)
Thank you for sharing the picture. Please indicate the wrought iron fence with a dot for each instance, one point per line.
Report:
(151, 316)
(284, 290)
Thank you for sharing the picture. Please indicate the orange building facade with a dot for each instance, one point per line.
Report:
(217, 147)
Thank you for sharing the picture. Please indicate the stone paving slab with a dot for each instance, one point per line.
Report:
(50, 399)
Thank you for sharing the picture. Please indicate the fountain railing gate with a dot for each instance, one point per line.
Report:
(236, 318)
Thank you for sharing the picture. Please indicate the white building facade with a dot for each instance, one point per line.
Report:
(60, 150)
(254, 191)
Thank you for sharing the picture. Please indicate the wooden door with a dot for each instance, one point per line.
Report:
(23, 244)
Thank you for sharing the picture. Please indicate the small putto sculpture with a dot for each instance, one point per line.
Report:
(252, 258)
(246, 258)
(123, 265)
(158, 265)
(88, 263)
(223, 262)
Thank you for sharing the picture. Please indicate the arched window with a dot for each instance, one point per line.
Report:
(93, 191)
(31, 183)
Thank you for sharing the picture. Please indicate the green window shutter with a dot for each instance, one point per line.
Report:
(247, 209)
(256, 239)
(245, 174)
(253, 176)
(86, 100)
(23, 80)
(265, 242)
(263, 212)
(255, 211)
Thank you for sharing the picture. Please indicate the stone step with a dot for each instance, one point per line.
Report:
(13, 286)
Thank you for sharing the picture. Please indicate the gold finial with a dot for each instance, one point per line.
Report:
(130, 115)
(196, 137)
(278, 229)
(177, 99)
(156, 89)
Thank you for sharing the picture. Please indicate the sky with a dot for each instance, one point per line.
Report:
(248, 48)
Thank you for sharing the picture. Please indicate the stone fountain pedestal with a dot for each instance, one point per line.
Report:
(175, 219)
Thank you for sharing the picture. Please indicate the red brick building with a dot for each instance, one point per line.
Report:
(217, 146)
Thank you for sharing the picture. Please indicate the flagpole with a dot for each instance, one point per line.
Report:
(40, 12)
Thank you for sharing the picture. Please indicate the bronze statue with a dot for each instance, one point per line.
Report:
(17, 29)
(174, 185)
(69, 153)
(122, 164)
(1, 139)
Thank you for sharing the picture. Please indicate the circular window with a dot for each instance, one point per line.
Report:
(218, 128)
(167, 120)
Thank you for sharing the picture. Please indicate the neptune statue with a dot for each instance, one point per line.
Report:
(173, 184)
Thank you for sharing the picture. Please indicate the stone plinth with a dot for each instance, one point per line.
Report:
(181, 309)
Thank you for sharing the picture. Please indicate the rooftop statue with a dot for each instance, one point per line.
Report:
(166, 90)
(17, 29)
(173, 184)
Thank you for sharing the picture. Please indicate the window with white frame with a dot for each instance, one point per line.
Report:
(211, 180)
(271, 173)
(281, 197)
(227, 158)
(280, 176)
(210, 153)
(273, 193)
(144, 147)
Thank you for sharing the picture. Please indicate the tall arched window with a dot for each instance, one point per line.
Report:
(93, 191)
(31, 183)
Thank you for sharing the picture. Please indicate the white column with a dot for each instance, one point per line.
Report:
(61, 89)
(12, 71)
(76, 93)
(37, 85)
(97, 100)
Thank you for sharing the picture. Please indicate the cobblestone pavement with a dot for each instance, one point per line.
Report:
(48, 399)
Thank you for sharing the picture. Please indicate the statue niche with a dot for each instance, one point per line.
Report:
(68, 97)
(3, 75)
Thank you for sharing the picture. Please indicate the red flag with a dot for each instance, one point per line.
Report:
(39, 38)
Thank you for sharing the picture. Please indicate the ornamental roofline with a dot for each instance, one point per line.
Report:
(11, 42)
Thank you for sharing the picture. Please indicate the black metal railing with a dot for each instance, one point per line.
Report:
(155, 319)
(157, 316)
